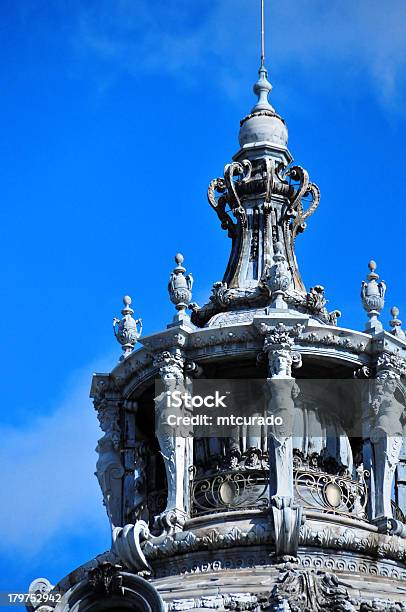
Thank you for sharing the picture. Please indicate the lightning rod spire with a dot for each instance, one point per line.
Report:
(262, 32)
(262, 87)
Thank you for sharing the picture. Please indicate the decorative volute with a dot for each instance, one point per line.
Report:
(396, 324)
(127, 330)
(373, 298)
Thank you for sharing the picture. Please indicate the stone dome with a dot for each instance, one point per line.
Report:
(263, 126)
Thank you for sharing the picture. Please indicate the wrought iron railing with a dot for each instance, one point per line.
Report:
(225, 491)
(331, 493)
(230, 490)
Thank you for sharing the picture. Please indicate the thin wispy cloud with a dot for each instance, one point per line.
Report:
(47, 474)
(364, 42)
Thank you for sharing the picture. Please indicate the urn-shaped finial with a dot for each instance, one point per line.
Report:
(280, 278)
(396, 324)
(373, 298)
(127, 330)
(180, 288)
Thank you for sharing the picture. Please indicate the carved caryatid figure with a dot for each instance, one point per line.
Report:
(286, 514)
(109, 466)
(175, 448)
(388, 416)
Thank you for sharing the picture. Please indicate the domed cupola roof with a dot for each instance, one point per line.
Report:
(263, 124)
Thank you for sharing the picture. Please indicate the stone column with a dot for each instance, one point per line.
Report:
(286, 515)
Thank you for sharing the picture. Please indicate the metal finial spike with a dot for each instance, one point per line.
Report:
(263, 87)
(262, 33)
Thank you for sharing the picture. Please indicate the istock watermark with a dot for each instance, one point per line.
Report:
(320, 408)
(179, 399)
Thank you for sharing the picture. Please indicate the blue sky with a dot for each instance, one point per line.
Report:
(116, 114)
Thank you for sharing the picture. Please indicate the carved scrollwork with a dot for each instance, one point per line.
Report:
(242, 170)
(127, 545)
(312, 590)
(299, 223)
(304, 189)
(219, 204)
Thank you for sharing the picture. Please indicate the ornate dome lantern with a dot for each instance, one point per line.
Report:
(300, 511)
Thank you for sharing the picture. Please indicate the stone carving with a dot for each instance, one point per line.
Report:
(278, 346)
(305, 189)
(382, 605)
(313, 302)
(219, 204)
(386, 437)
(109, 466)
(396, 324)
(175, 450)
(127, 330)
(309, 590)
(105, 579)
(244, 171)
(40, 587)
(287, 516)
(279, 278)
(373, 298)
(180, 289)
(392, 363)
(315, 299)
(224, 601)
(348, 343)
(127, 545)
(185, 542)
